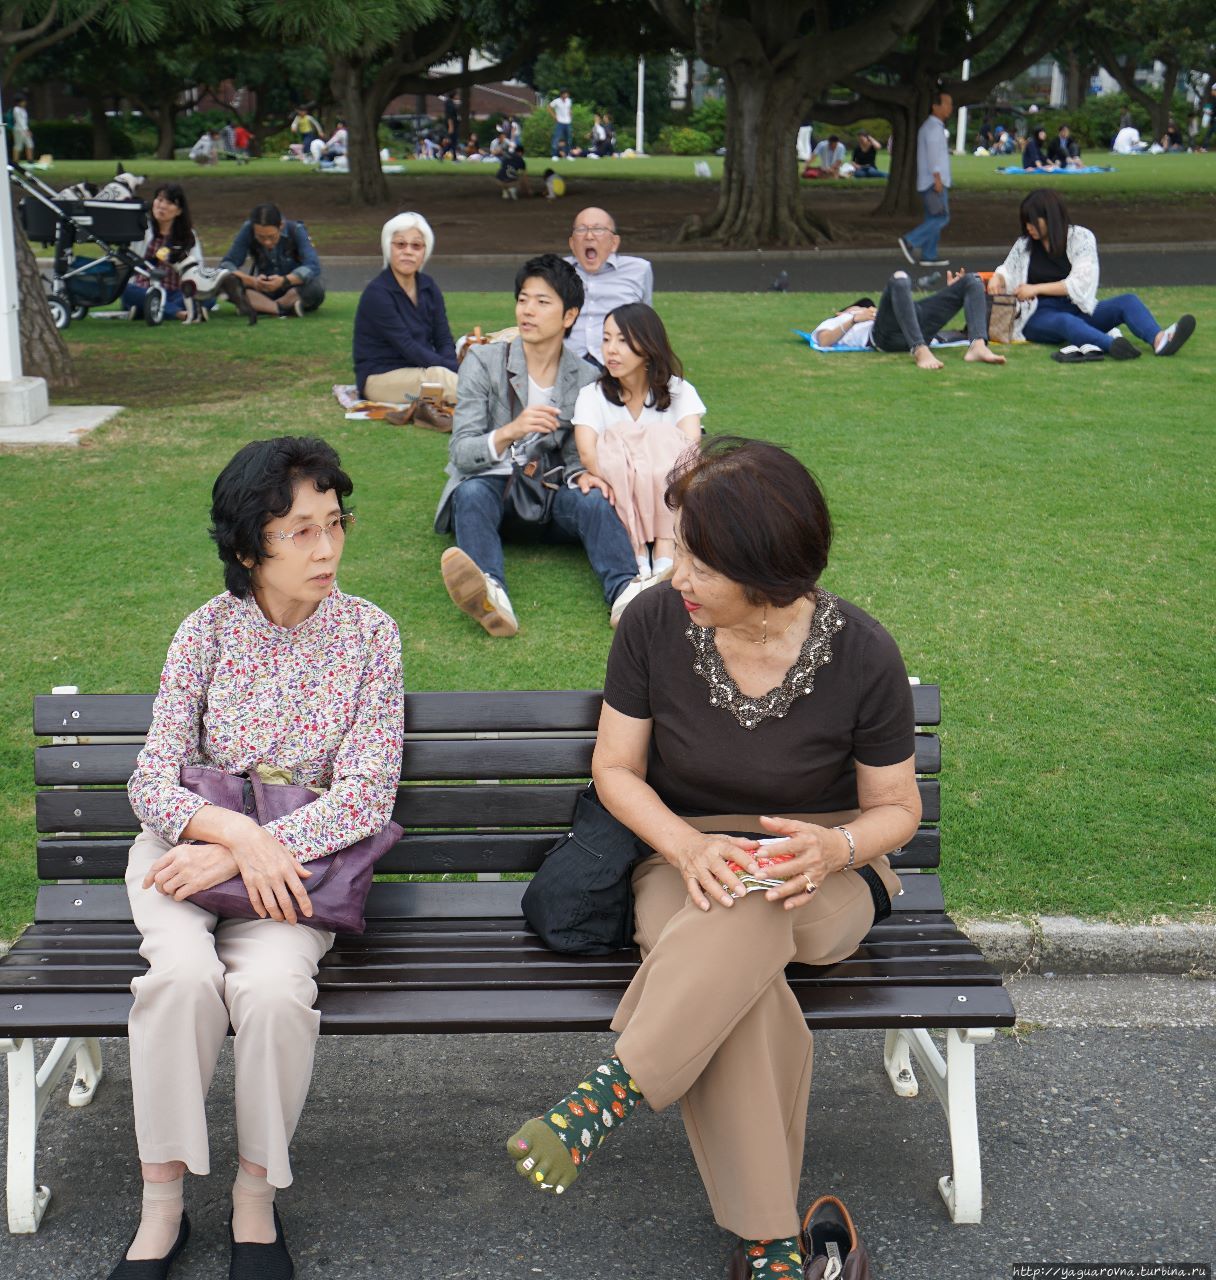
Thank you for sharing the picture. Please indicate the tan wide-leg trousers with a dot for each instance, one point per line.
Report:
(710, 1021)
(255, 974)
(399, 385)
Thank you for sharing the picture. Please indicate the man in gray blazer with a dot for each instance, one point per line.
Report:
(511, 396)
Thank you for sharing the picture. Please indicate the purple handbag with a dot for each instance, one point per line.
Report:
(339, 883)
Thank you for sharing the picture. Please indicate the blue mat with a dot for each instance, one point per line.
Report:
(839, 350)
(1051, 173)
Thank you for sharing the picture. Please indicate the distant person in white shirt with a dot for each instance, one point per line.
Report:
(610, 279)
(207, 149)
(632, 425)
(1127, 141)
(23, 139)
(829, 155)
(561, 109)
(933, 183)
(902, 323)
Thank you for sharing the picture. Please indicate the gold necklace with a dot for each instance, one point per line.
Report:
(764, 639)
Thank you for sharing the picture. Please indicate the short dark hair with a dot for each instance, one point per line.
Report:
(266, 215)
(645, 335)
(558, 274)
(1047, 205)
(939, 93)
(751, 511)
(832, 137)
(258, 486)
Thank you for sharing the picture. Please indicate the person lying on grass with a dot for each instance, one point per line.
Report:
(900, 323)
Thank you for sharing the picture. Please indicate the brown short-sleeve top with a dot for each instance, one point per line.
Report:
(846, 699)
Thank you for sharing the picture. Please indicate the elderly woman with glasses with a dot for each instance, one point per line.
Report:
(610, 280)
(402, 338)
(282, 672)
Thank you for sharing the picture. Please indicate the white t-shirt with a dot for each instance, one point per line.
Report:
(827, 155)
(562, 108)
(857, 335)
(594, 411)
(536, 395)
(1127, 140)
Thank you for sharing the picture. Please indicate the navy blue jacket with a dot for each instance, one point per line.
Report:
(392, 333)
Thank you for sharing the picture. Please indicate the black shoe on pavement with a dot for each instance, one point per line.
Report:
(152, 1268)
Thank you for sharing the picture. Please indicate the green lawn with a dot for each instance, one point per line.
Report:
(1040, 540)
(1161, 177)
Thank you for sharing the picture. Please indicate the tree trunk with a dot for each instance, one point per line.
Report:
(44, 354)
(760, 201)
(166, 118)
(899, 193)
(102, 150)
(362, 116)
(1161, 110)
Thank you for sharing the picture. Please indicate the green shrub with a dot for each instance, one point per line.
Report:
(679, 140)
(187, 129)
(710, 118)
(72, 140)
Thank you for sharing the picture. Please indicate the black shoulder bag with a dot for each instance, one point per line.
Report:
(537, 472)
(581, 899)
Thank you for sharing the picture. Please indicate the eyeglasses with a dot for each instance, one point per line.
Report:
(306, 538)
(597, 232)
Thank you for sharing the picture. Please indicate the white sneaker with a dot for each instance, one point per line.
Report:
(477, 594)
(631, 592)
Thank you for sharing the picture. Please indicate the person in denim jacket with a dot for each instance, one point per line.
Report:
(285, 273)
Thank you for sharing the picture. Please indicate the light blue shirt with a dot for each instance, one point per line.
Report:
(620, 280)
(932, 154)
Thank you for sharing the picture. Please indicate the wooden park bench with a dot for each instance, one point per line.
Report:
(488, 780)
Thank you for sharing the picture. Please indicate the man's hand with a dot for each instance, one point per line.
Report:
(938, 185)
(272, 284)
(953, 277)
(586, 481)
(189, 868)
(540, 418)
(864, 313)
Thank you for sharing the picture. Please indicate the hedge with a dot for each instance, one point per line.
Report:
(72, 140)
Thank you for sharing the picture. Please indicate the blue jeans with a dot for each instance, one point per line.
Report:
(868, 171)
(925, 236)
(134, 294)
(561, 133)
(1059, 322)
(478, 518)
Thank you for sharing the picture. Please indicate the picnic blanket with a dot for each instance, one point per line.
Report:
(1016, 171)
(838, 349)
(358, 409)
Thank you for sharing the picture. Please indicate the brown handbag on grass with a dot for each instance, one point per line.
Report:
(1002, 317)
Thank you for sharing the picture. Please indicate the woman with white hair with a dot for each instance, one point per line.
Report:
(402, 338)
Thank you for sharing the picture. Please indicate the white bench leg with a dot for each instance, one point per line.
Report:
(29, 1089)
(953, 1080)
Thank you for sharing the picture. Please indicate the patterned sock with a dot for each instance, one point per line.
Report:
(160, 1220)
(551, 1150)
(769, 1258)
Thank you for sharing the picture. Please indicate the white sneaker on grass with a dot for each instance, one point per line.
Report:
(631, 592)
(477, 594)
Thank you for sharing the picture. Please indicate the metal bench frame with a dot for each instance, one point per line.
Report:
(519, 737)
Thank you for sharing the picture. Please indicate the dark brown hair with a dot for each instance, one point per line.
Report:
(752, 512)
(643, 331)
(1047, 205)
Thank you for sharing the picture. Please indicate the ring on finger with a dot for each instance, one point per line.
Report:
(810, 884)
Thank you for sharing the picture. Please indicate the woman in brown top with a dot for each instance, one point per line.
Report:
(739, 690)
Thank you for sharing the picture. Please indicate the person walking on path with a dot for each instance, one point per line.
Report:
(932, 183)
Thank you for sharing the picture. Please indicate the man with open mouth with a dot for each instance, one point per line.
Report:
(610, 280)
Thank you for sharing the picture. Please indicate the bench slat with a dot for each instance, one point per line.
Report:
(94, 859)
(585, 1009)
(464, 712)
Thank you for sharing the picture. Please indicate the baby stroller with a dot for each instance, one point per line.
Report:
(78, 283)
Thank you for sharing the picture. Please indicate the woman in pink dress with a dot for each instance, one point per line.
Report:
(632, 425)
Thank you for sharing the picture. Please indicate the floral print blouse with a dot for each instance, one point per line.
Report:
(323, 700)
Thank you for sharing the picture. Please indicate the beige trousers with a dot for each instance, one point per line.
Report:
(204, 974)
(710, 1021)
(399, 385)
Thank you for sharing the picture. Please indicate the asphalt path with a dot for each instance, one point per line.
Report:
(858, 271)
(1095, 1127)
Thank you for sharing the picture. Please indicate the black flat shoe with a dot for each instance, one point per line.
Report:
(1176, 335)
(1121, 349)
(261, 1261)
(152, 1268)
